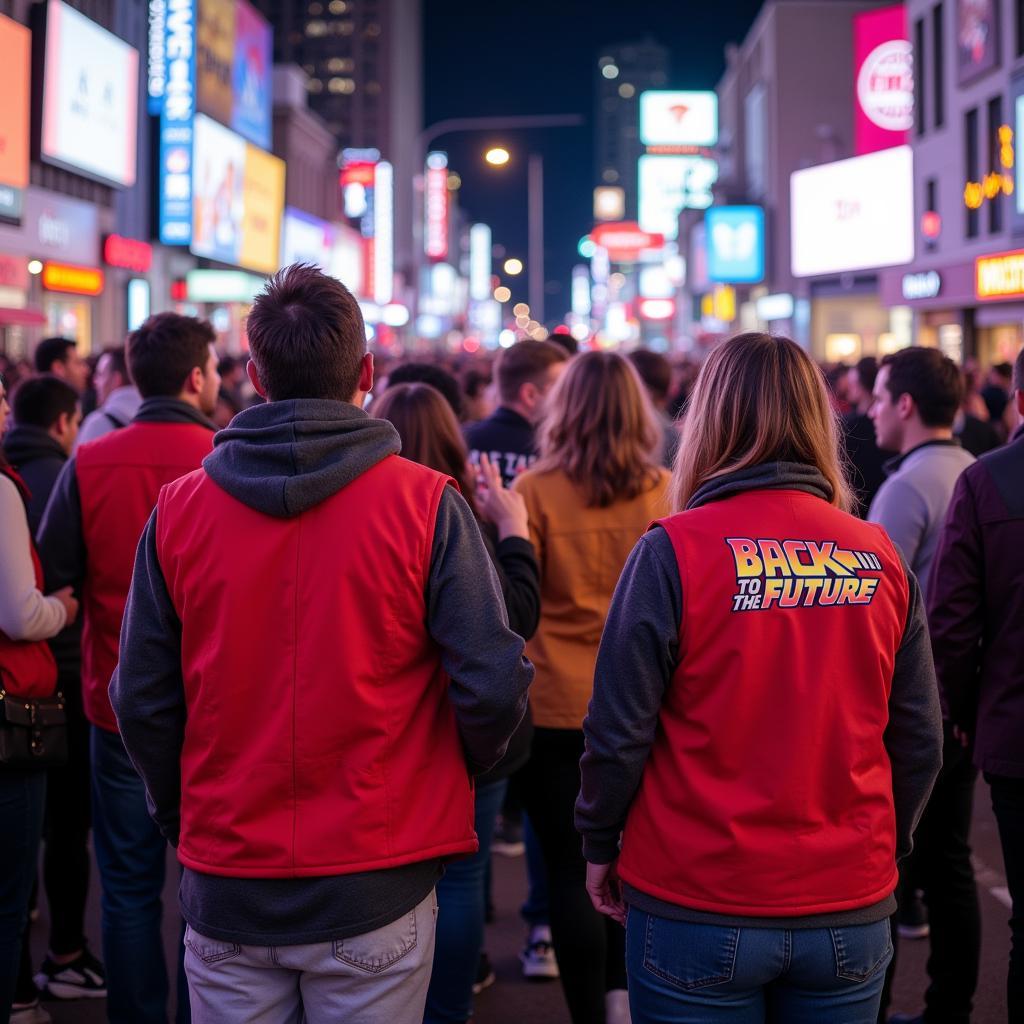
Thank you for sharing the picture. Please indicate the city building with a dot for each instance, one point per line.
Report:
(965, 283)
(623, 72)
(785, 103)
(364, 63)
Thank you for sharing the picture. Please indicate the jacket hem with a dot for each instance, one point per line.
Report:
(320, 870)
(755, 909)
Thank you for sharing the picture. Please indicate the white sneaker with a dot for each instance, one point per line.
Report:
(30, 1013)
(616, 1007)
(538, 958)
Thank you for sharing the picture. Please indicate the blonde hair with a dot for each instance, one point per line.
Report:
(599, 429)
(758, 399)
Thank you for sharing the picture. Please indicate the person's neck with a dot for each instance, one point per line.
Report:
(519, 409)
(918, 434)
(190, 399)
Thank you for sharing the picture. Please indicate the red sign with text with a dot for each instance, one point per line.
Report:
(883, 64)
(625, 240)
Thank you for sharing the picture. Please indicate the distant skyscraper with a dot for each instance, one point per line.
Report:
(364, 60)
(623, 72)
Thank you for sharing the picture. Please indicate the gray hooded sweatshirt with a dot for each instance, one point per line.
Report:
(282, 459)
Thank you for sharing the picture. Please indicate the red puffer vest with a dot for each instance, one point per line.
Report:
(27, 667)
(119, 477)
(319, 739)
(768, 791)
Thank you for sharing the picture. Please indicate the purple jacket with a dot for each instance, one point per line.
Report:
(976, 609)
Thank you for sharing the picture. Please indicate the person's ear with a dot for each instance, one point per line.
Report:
(905, 406)
(254, 379)
(365, 372)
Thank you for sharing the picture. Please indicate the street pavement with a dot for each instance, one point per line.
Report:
(512, 1000)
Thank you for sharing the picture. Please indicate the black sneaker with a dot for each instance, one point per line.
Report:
(83, 978)
(485, 976)
(912, 922)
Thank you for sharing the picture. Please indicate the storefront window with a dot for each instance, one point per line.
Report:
(70, 318)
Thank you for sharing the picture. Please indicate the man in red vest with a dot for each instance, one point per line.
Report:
(91, 527)
(315, 661)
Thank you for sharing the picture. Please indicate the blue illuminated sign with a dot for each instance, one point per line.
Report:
(735, 244)
(176, 117)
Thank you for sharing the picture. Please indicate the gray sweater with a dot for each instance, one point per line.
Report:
(912, 502)
(637, 659)
(284, 458)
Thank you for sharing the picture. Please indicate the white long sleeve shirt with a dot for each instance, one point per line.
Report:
(25, 614)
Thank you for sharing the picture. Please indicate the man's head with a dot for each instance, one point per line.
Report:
(307, 339)
(111, 373)
(656, 373)
(860, 383)
(51, 404)
(427, 373)
(60, 357)
(526, 372)
(917, 395)
(1001, 376)
(172, 356)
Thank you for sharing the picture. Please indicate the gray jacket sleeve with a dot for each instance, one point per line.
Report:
(466, 616)
(638, 654)
(147, 690)
(901, 510)
(913, 737)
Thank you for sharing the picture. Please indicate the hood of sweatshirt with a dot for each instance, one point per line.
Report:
(283, 458)
(24, 444)
(773, 476)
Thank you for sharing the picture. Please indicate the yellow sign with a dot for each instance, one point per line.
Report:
(64, 277)
(215, 59)
(1001, 181)
(1000, 276)
(719, 304)
(263, 205)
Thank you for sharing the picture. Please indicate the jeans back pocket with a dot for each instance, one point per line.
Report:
(210, 951)
(861, 950)
(376, 951)
(690, 956)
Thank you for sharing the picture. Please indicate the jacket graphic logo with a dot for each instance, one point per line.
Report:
(800, 574)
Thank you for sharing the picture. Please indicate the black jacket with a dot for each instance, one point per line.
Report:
(506, 438)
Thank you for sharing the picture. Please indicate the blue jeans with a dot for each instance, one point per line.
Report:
(22, 798)
(535, 910)
(131, 855)
(704, 973)
(460, 919)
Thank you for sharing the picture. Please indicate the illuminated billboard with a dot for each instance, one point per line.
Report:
(238, 199)
(854, 214)
(15, 69)
(669, 184)
(735, 244)
(883, 64)
(90, 98)
(674, 118)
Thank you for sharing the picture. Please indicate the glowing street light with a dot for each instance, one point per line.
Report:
(502, 294)
(497, 156)
(513, 267)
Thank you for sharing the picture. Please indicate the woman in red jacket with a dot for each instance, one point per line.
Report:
(765, 728)
(27, 669)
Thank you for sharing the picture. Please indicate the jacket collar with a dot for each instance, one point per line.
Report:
(171, 410)
(768, 476)
(503, 414)
(892, 465)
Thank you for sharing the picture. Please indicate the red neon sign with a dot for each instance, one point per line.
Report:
(127, 253)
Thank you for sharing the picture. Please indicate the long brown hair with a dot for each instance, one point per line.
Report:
(758, 399)
(599, 429)
(429, 431)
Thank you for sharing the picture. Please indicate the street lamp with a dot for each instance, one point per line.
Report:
(497, 157)
(514, 267)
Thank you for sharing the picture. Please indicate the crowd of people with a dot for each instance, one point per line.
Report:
(721, 645)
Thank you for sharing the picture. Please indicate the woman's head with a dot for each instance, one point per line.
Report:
(757, 399)
(429, 431)
(598, 427)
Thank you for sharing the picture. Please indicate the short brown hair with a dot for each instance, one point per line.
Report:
(306, 336)
(931, 379)
(524, 363)
(165, 350)
(758, 398)
(655, 371)
(599, 429)
(429, 431)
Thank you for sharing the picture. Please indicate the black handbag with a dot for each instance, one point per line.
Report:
(33, 731)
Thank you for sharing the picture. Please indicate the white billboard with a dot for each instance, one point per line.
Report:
(674, 118)
(669, 184)
(854, 214)
(90, 98)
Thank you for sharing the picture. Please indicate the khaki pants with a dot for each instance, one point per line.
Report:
(377, 978)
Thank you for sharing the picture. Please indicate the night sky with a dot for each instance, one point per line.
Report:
(539, 57)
